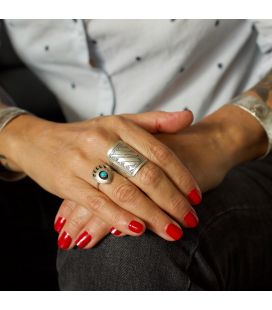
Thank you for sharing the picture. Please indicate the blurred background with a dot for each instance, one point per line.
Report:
(29, 242)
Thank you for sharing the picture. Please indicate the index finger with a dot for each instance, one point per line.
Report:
(157, 152)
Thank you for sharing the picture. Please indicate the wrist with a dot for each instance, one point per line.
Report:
(14, 136)
(238, 134)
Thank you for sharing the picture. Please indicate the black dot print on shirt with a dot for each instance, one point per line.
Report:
(269, 51)
(94, 42)
(73, 85)
(75, 20)
(182, 69)
(138, 58)
(172, 20)
(216, 23)
(220, 66)
(46, 48)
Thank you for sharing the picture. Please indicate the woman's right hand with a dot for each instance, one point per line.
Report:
(61, 157)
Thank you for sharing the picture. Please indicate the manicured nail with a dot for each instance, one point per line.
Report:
(174, 231)
(115, 231)
(194, 197)
(135, 227)
(64, 241)
(191, 219)
(83, 239)
(59, 224)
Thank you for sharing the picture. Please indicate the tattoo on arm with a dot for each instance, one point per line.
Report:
(263, 89)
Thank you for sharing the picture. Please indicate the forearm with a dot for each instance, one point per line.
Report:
(8, 169)
(3, 161)
(237, 132)
(263, 90)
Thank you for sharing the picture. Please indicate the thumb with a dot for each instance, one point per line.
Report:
(160, 121)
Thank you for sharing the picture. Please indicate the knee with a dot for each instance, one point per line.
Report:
(127, 263)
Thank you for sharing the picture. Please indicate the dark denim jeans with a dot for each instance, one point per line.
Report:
(230, 250)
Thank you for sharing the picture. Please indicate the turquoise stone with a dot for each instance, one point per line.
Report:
(103, 175)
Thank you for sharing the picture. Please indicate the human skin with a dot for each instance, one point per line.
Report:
(61, 157)
(209, 149)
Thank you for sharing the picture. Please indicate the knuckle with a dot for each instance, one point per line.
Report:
(119, 120)
(75, 157)
(91, 136)
(176, 203)
(67, 205)
(96, 203)
(125, 192)
(150, 174)
(74, 223)
(118, 218)
(185, 181)
(160, 153)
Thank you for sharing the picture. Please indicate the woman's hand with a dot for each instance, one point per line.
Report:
(199, 147)
(209, 149)
(61, 157)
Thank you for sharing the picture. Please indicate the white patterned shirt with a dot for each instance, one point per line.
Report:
(102, 67)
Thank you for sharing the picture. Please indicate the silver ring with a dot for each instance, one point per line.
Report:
(125, 159)
(102, 174)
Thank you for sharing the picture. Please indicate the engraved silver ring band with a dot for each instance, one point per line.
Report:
(122, 158)
(125, 159)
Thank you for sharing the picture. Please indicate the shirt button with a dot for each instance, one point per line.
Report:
(92, 62)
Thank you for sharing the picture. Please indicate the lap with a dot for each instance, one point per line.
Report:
(229, 250)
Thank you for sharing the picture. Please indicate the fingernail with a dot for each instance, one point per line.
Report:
(115, 231)
(64, 241)
(174, 231)
(191, 219)
(194, 197)
(59, 224)
(135, 227)
(83, 239)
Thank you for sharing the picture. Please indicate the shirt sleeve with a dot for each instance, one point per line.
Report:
(262, 63)
(5, 174)
(264, 37)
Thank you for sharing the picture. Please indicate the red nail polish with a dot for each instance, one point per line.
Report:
(64, 241)
(194, 197)
(59, 224)
(174, 231)
(115, 231)
(135, 227)
(191, 220)
(83, 239)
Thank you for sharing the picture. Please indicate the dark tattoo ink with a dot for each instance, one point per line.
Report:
(264, 88)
